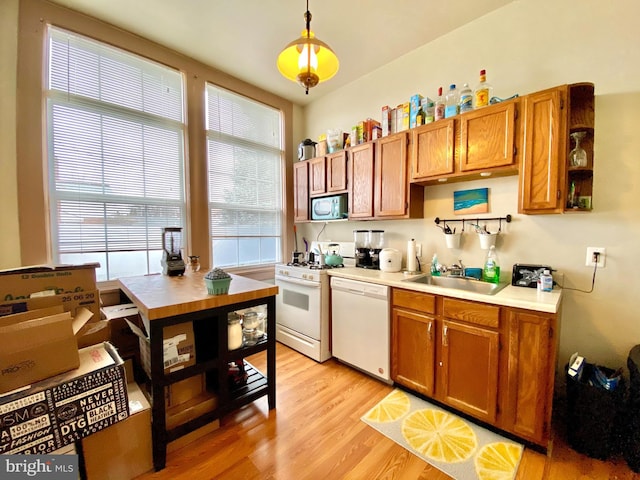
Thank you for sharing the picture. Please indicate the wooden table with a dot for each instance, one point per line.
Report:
(163, 301)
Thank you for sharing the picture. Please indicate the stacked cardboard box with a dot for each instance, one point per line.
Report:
(122, 451)
(56, 412)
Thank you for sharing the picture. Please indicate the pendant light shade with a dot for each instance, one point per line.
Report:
(308, 60)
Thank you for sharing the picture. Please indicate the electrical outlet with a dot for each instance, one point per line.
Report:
(589, 262)
(419, 250)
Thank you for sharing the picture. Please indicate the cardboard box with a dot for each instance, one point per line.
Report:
(60, 410)
(21, 283)
(122, 337)
(386, 120)
(122, 451)
(94, 333)
(38, 344)
(414, 108)
(179, 347)
(70, 301)
(185, 390)
(179, 414)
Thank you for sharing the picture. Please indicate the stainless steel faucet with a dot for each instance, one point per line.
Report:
(456, 269)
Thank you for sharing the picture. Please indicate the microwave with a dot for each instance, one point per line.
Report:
(329, 208)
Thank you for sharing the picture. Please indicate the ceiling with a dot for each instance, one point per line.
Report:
(244, 37)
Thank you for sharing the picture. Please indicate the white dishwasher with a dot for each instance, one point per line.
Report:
(360, 326)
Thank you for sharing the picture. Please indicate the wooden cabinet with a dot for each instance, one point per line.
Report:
(469, 361)
(301, 191)
(328, 175)
(530, 374)
(413, 341)
(467, 146)
(494, 363)
(487, 137)
(546, 174)
(432, 150)
(361, 175)
(394, 195)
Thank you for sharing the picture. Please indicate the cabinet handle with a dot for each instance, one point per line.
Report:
(445, 340)
(429, 328)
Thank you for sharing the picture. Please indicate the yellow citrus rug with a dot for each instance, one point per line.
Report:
(458, 447)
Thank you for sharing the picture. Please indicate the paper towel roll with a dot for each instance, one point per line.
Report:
(411, 255)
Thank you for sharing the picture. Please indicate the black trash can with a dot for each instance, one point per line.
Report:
(594, 415)
(631, 446)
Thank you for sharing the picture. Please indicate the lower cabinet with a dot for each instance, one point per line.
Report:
(494, 363)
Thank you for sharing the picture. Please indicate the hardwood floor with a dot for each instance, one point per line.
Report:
(315, 432)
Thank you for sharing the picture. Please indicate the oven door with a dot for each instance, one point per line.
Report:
(298, 305)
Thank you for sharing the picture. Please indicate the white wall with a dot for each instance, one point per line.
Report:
(526, 46)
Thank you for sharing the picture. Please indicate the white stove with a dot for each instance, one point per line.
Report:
(302, 304)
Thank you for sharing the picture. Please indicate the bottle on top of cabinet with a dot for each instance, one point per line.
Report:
(439, 106)
(451, 102)
(482, 93)
(466, 99)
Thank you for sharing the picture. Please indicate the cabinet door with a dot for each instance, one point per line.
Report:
(391, 181)
(542, 170)
(317, 176)
(301, 191)
(337, 172)
(413, 350)
(530, 375)
(432, 150)
(487, 137)
(360, 182)
(469, 369)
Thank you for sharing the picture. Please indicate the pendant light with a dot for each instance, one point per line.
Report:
(307, 60)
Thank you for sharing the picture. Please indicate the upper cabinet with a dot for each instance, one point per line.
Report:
(301, 191)
(487, 137)
(552, 179)
(467, 146)
(361, 173)
(328, 175)
(378, 181)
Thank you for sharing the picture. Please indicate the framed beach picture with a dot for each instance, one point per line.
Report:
(471, 201)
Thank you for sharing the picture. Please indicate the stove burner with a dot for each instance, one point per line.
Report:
(297, 264)
(316, 266)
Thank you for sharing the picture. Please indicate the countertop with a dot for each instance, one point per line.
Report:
(510, 296)
(161, 296)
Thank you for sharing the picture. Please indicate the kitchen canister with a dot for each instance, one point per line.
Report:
(234, 331)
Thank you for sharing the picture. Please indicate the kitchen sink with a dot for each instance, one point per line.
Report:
(460, 283)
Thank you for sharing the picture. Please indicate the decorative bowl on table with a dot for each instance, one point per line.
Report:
(217, 281)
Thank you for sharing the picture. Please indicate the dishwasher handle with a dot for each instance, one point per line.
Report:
(360, 288)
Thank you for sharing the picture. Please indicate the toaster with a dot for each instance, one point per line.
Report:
(527, 275)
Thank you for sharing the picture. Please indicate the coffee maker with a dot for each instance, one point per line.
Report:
(368, 244)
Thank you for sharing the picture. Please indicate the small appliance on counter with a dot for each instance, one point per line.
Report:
(527, 275)
(369, 244)
(172, 262)
(390, 260)
(306, 149)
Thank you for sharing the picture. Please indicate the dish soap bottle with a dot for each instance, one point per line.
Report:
(434, 266)
(491, 272)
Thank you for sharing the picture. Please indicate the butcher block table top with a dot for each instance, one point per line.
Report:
(161, 296)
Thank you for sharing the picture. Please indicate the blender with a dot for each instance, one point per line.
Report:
(172, 263)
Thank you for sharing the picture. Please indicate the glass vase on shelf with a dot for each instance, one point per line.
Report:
(578, 156)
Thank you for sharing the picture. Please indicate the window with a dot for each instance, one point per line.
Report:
(244, 154)
(115, 128)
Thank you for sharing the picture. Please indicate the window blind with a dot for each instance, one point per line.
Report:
(115, 124)
(244, 154)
